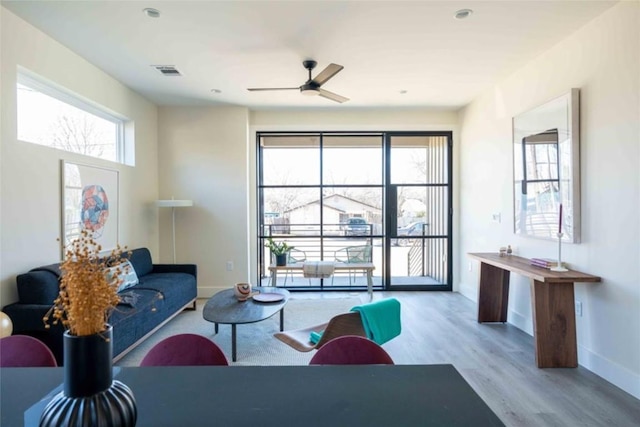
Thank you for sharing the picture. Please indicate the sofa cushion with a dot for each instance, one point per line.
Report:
(39, 286)
(141, 261)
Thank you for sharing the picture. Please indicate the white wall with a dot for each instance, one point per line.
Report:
(603, 60)
(30, 174)
(204, 158)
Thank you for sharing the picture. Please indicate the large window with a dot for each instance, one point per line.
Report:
(381, 198)
(51, 116)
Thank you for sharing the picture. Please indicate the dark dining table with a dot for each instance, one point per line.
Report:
(364, 395)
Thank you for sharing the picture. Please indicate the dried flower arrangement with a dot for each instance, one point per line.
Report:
(86, 296)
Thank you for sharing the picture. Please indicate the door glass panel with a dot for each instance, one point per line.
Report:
(418, 243)
(352, 159)
(291, 211)
(290, 160)
(418, 160)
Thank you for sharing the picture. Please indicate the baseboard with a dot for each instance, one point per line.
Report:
(521, 322)
(208, 292)
(617, 375)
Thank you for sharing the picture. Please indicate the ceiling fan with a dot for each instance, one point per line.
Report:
(312, 86)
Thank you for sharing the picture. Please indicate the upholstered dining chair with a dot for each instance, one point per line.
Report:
(342, 324)
(351, 350)
(23, 351)
(185, 350)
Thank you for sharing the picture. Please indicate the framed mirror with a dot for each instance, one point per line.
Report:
(546, 170)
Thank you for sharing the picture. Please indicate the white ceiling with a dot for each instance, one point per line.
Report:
(385, 46)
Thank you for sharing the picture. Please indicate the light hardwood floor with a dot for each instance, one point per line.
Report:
(498, 361)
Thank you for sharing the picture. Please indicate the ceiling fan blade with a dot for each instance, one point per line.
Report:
(256, 89)
(327, 73)
(332, 96)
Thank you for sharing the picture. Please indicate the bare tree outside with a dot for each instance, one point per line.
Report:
(46, 120)
(78, 135)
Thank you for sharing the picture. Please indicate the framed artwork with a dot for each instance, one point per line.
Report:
(89, 201)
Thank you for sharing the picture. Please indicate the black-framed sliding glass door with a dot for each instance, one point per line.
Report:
(346, 197)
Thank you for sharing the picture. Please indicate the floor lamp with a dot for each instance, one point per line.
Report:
(173, 204)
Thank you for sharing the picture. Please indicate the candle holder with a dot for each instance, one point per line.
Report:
(559, 267)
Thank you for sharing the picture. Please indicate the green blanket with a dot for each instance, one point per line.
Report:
(314, 337)
(381, 319)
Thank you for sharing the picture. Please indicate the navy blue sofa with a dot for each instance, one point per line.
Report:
(163, 291)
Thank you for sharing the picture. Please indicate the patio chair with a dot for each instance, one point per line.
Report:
(340, 325)
(294, 256)
(23, 351)
(185, 350)
(351, 350)
(353, 255)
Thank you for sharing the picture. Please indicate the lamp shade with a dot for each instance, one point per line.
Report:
(174, 203)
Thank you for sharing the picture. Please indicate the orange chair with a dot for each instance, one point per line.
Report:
(23, 351)
(351, 350)
(185, 350)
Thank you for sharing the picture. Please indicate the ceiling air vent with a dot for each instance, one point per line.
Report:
(167, 70)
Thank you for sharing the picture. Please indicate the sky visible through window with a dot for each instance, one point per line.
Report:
(45, 120)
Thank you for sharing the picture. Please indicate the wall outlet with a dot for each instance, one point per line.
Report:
(229, 265)
(470, 266)
(496, 217)
(578, 308)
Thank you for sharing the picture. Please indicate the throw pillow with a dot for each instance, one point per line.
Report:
(126, 278)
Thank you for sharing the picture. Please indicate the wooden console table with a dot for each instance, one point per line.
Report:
(552, 301)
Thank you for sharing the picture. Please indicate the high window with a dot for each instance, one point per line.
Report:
(54, 117)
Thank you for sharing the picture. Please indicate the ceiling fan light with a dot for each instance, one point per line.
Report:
(310, 92)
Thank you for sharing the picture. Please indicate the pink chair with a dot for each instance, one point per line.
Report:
(351, 350)
(185, 350)
(23, 351)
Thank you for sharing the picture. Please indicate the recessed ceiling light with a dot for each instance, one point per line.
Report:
(216, 91)
(151, 12)
(463, 13)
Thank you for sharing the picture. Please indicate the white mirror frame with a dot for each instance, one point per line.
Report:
(548, 138)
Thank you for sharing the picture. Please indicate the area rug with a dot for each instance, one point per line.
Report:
(256, 344)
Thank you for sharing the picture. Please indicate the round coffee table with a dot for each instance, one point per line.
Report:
(225, 308)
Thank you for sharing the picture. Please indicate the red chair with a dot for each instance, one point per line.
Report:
(23, 351)
(185, 350)
(351, 350)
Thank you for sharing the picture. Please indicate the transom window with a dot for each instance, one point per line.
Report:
(56, 118)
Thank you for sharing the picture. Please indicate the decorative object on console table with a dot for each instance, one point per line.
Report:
(173, 204)
(86, 298)
(559, 267)
(544, 262)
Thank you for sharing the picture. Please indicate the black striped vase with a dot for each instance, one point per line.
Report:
(91, 397)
